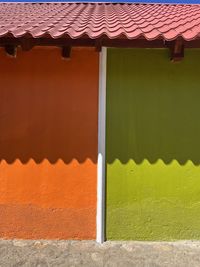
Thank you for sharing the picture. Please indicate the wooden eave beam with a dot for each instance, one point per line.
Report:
(176, 47)
(177, 50)
(66, 52)
(11, 50)
(28, 43)
(136, 43)
(98, 45)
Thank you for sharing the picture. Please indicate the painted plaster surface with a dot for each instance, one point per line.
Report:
(153, 145)
(48, 144)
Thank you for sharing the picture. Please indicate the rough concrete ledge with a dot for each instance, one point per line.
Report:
(14, 253)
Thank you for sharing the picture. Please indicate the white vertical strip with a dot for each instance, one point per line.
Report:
(100, 220)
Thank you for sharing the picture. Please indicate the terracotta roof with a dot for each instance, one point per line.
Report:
(132, 21)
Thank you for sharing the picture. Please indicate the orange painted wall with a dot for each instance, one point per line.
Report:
(48, 144)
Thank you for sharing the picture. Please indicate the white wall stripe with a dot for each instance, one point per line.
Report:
(100, 219)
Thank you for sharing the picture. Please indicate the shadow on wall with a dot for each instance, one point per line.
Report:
(155, 131)
(48, 106)
(153, 109)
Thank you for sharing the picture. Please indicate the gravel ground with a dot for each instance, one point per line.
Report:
(15, 253)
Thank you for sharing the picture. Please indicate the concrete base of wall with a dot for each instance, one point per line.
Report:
(89, 253)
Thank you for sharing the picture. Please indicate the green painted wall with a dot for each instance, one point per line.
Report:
(153, 145)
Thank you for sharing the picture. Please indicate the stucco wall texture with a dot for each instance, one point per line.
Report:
(48, 144)
(153, 145)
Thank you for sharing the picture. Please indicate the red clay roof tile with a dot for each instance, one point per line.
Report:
(149, 21)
